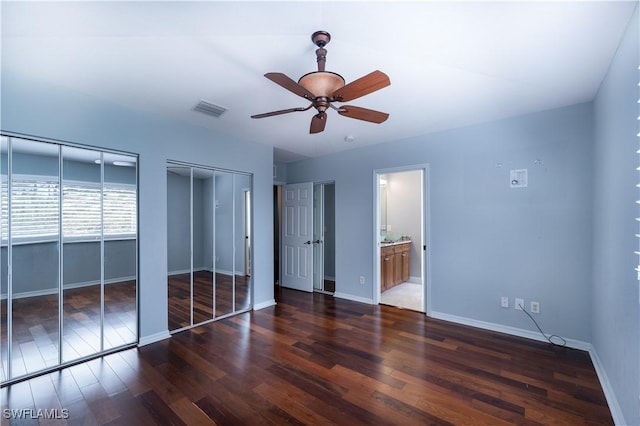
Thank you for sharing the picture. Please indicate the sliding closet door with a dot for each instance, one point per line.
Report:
(224, 243)
(209, 244)
(202, 219)
(4, 238)
(68, 258)
(179, 245)
(120, 250)
(242, 240)
(81, 253)
(34, 252)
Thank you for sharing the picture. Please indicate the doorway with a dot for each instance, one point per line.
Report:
(304, 236)
(400, 236)
(324, 280)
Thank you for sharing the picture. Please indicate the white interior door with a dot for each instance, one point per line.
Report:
(297, 234)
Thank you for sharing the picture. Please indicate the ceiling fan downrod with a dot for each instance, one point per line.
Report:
(321, 39)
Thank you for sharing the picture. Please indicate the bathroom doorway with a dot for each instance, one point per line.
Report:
(401, 234)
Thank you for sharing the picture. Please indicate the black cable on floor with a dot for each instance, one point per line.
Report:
(552, 336)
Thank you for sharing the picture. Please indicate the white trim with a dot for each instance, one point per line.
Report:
(609, 394)
(360, 299)
(415, 280)
(263, 305)
(186, 271)
(153, 338)
(520, 332)
(49, 291)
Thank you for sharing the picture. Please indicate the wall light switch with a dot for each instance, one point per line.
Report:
(504, 302)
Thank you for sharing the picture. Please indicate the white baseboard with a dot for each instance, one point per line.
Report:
(520, 332)
(366, 300)
(614, 407)
(612, 401)
(47, 292)
(415, 280)
(263, 305)
(186, 271)
(153, 338)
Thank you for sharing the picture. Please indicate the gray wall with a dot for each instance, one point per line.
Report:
(36, 107)
(486, 239)
(615, 312)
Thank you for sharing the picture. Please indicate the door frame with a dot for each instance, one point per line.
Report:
(426, 231)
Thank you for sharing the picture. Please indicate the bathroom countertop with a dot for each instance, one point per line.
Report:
(394, 243)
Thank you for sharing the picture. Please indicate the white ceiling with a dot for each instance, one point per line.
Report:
(451, 64)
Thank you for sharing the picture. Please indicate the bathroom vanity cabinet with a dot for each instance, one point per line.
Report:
(394, 264)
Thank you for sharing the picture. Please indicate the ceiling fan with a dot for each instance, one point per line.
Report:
(323, 88)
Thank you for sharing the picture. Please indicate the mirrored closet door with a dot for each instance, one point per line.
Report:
(68, 259)
(208, 244)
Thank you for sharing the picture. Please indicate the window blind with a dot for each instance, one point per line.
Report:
(35, 209)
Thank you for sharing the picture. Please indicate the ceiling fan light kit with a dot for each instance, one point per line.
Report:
(324, 87)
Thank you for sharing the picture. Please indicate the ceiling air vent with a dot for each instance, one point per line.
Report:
(209, 108)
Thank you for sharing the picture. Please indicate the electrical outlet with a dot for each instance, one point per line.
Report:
(535, 307)
(361, 279)
(504, 302)
(519, 305)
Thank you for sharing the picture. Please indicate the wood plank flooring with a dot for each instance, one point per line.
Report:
(226, 297)
(35, 326)
(313, 359)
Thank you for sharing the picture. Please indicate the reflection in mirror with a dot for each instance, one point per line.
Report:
(202, 245)
(242, 238)
(34, 250)
(81, 253)
(382, 183)
(4, 347)
(224, 243)
(120, 253)
(179, 245)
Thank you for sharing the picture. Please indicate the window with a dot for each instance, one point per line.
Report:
(35, 208)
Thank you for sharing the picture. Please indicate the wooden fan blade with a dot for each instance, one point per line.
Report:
(363, 114)
(282, 111)
(318, 122)
(284, 81)
(362, 86)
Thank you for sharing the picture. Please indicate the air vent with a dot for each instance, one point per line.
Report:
(209, 108)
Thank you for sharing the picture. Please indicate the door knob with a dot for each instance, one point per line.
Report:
(308, 242)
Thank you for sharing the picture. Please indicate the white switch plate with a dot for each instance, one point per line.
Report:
(519, 304)
(518, 178)
(361, 279)
(535, 307)
(504, 302)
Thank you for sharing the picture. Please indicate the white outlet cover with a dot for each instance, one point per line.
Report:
(518, 178)
(519, 304)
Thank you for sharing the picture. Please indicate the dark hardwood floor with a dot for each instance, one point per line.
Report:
(313, 359)
(35, 326)
(179, 291)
